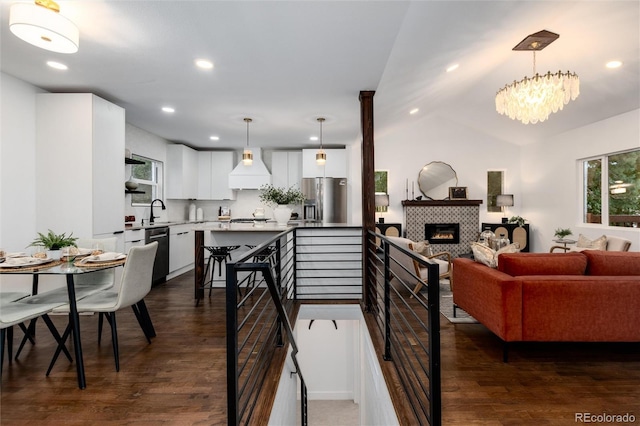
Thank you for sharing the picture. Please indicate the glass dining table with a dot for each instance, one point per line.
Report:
(70, 271)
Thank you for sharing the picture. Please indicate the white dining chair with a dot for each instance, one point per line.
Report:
(134, 286)
(16, 312)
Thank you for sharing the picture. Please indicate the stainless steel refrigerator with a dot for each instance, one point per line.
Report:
(325, 199)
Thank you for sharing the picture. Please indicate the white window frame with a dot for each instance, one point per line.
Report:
(604, 190)
(155, 182)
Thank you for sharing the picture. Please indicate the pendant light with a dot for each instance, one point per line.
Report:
(247, 155)
(41, 25)
(321, 156)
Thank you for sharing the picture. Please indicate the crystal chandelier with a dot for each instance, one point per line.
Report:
(531, 100)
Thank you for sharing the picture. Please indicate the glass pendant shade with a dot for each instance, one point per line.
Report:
(321, 156)
(247, 155)
(44, 27)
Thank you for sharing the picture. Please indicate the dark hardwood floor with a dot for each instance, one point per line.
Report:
(179, 379)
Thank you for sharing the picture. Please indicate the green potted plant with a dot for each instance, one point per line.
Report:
(281, 198)
(517, 219)
(53, 242)
(561, 233)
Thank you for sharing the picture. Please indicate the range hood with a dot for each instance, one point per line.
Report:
(250, 177)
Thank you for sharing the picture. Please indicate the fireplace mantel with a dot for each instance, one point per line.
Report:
(432, 203)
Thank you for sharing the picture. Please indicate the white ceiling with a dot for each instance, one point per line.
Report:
(285, 63)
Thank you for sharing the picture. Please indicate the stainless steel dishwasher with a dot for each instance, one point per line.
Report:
(161, 265)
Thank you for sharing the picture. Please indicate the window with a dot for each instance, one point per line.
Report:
(611, 192)
(380, 187)
(149, 178)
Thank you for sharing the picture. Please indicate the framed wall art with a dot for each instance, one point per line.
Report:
(458, 192)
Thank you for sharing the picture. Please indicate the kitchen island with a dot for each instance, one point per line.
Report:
(228, 234)
(328, 256)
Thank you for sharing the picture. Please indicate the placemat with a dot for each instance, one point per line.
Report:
(81, 264)
(32, 268)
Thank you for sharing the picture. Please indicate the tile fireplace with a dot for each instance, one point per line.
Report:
(442, 233)
(463, 213)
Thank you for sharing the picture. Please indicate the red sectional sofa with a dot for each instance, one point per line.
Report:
(591, 296)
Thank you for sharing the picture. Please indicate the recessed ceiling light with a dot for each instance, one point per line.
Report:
(453, 67)
(57, 65)
(414, 111)
(168, 109)
(204, 64)
(313, 138)
(614, 64)
(214, 138)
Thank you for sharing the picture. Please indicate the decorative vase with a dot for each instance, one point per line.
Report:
(131, 185)
(54, 254)
(282, 214)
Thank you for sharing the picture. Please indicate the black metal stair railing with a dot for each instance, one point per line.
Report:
(258, 313)
(409, 323)
(259, 302)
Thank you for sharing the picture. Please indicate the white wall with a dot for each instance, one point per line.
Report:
(471, 154)
(550, 178)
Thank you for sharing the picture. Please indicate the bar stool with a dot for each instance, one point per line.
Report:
(266, 254)
(219, 255)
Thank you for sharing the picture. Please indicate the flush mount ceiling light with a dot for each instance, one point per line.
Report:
(321, 156)
(247, 155)
(531, 100)
(41, 24)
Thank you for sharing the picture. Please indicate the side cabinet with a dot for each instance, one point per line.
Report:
(181, 241)
(515, 233)
(133, 238)
(182, 172)
(336, 165)
(286, 168)
(213, 175)
(79, 150)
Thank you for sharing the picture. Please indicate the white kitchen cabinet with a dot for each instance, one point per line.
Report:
(80, 140)
(336, 165)
(286, 168)
(181, 177)
(213, 175)
(133, 238)
(181, 241)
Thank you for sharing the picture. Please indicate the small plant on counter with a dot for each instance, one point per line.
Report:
(517, 219)
(53, 241)
(561, 233)
(280, 196)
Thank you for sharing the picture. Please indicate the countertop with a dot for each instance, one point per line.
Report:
(217, 226)
(136, 225)
(244, 227)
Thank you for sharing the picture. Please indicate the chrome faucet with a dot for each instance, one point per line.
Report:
(151, 216)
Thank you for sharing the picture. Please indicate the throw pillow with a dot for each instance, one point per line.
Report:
(423, 247)
(585, 243)
(489, 256)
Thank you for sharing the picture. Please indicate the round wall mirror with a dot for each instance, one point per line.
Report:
(435, 179)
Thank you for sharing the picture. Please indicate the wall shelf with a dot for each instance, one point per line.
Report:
(132, 161)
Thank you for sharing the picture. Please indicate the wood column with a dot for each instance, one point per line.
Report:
(368, 190)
